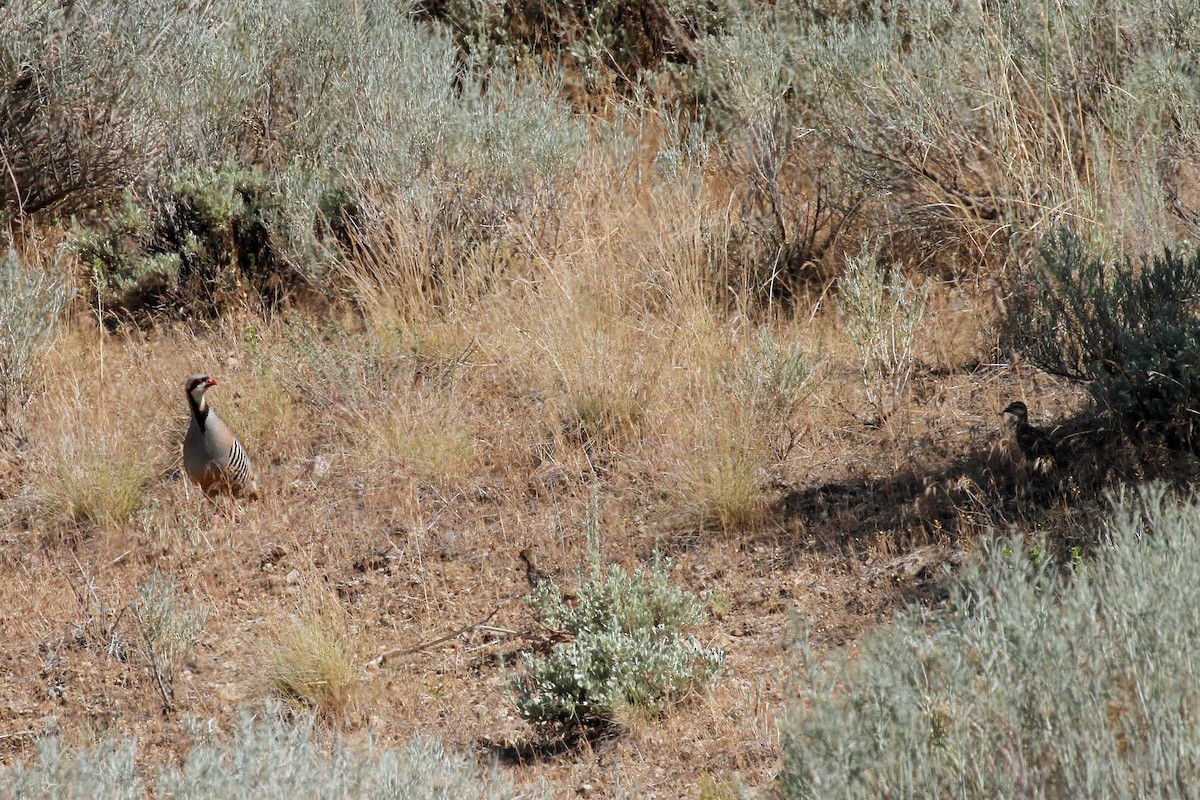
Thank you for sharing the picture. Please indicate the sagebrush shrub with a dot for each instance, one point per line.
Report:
(1129, 329)
(269, 757)
(265, 756)
(71, 131)
(956, 125)
(60, 772)
(605, 45)
(31, 300)
(796, 200)
(883, 311)
(772, 381)
(628, 650)
(256, 150)
(1031, 681)
(169, 632)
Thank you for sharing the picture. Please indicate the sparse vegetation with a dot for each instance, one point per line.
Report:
(745, 425)
(883, 311)
(168, 632)
(724, 281)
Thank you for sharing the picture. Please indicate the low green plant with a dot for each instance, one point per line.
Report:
(266, 756)
(31, 300)
(883, 310)
(627, 650)
(1031, 681)
(1128, 329)
(169, 632)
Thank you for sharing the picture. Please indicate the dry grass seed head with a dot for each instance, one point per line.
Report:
(428, 432)
(598, 368)
(100, 446)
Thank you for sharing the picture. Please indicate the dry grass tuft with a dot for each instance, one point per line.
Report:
(435, 453)
(722, 481)
(263, 410)
(101, 488)
(429, 435)
(595, 365)
(95, 467)
(313, 661)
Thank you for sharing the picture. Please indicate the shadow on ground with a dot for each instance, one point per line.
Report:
(989, 488)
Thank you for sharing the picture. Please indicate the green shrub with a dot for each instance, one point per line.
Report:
(628, 651)
(1129, 329)
(1031, 681)
(124, 274)
(265, 757)
(31, 300)
(959, 124)
(169, 632)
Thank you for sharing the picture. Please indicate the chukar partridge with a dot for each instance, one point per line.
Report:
(1033, 442)
(212, 455)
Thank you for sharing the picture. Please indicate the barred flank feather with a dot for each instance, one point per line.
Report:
(239, 464)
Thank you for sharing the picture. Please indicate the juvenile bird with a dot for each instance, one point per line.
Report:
(212, 455)
(533, 573)
(1033, 442)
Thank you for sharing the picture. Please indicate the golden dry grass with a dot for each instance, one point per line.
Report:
(412, 445)
(312, 660)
